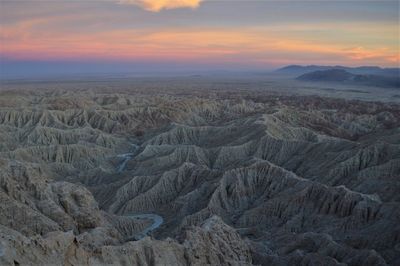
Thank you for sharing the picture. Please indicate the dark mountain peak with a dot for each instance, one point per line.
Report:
(327, 75)
(361, 70)
(343, 76)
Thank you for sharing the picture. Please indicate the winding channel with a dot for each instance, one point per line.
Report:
(127, 156)
(157, 219)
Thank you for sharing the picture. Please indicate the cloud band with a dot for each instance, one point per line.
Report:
(158, 5)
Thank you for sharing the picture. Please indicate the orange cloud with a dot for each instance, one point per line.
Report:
(157, 5)
(360, 53)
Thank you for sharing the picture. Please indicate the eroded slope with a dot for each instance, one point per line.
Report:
(238, 178)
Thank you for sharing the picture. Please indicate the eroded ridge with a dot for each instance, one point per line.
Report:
(220, 177)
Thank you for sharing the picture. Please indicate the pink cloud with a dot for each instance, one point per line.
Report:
(158, 5)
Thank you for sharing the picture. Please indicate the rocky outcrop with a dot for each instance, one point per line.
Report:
(212, 243)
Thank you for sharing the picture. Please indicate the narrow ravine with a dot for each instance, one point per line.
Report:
(127, 156)
(157, 219)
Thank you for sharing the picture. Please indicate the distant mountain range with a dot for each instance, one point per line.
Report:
(363, 75)
(362, 70)
(343, 76)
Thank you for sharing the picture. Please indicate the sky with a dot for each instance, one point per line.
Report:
(56, 36)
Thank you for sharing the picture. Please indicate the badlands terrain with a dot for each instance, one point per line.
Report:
(189, 172)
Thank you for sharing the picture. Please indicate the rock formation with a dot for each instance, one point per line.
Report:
(239, 178)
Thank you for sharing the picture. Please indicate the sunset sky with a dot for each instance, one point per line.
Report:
(125, 35)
